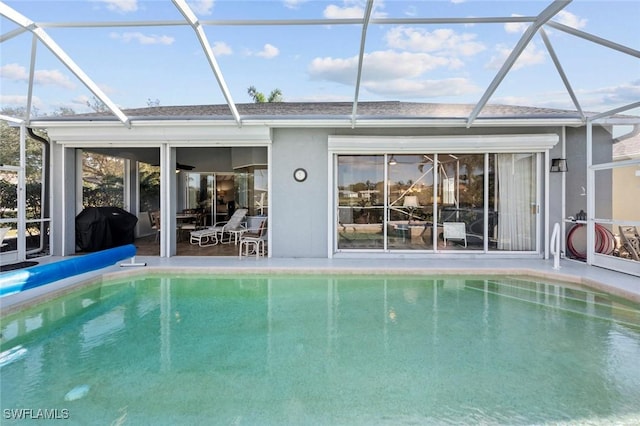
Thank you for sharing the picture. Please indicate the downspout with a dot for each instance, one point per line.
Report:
(45, 183)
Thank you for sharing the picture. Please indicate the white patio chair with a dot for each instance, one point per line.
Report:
(455, 231)
(254, 239)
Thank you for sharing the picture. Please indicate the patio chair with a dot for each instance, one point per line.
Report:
(254, 239)
(216, 234)
(154, 220)
(192, 222)
(455, 231)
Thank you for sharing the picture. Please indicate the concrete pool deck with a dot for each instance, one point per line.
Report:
(599, 279)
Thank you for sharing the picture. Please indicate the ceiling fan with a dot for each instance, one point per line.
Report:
(179, 166)
(184, 167)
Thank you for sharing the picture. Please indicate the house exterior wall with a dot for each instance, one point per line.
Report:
(300, 211)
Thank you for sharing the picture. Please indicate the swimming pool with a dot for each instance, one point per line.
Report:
(330, 349)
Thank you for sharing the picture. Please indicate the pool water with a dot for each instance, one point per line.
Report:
(314, 350)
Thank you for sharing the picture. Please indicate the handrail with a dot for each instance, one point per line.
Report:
(555, 245)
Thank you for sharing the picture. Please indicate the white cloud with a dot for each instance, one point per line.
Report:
(345, 12)
(595, 100)
(269, 51)
(383, 65)
(531, 55)
(516, 27)
(221, 48)
(17, 72)
(563, 17)
(122, 6)
(391, 73)
(19, 101)
(353, 9)
(400, 70)
(619, 95)
(81, 101)
(201, 7)
(571, 20)
(293, 4)
(441, 40)
(334, 69)
(411, 11)
(14, 72)
(142, 38)
(403, 88)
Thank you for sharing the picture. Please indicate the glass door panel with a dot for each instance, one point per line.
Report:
(410, 202)
(360, 195)
(461, 201)
(515, 195)
(251, 189)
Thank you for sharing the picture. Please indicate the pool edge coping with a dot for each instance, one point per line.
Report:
(12, 303)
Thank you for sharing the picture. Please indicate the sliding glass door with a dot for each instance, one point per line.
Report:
(438, 202)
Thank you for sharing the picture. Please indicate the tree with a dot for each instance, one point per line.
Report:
(10, 156)
(259, 98)
(97, 105)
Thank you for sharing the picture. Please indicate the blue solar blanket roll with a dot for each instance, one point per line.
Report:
(15, 281)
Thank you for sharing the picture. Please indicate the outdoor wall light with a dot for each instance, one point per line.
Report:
(392, 161)
(558, 165)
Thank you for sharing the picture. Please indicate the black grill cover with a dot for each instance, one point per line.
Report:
(99, 228)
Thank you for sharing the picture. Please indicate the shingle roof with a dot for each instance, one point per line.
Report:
(628, 148)
(331, 110)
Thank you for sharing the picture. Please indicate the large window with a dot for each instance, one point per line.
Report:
(437, 202)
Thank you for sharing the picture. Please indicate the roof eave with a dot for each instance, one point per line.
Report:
(323, 122)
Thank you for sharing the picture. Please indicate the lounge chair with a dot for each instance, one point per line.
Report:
(216, 234)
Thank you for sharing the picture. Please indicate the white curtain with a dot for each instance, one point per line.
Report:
(516, 201)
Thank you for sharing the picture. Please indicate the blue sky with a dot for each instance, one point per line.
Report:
(409, 62)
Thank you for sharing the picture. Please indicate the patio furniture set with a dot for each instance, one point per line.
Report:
(253, 241)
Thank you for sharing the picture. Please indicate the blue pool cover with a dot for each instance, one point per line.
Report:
(16, 281)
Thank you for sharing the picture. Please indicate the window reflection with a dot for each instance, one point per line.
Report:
(456, 201)
(360, 201)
